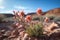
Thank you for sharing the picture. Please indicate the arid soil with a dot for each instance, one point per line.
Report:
(52, 32)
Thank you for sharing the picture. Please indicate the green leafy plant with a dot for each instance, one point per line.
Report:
(35, 30)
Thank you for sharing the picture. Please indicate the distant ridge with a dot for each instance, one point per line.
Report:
(31, 13)
(9, 15)
(6, 15)
(55, 11)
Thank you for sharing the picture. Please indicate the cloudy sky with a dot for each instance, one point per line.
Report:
(7, 6)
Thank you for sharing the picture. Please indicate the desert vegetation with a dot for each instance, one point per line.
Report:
(26, 27)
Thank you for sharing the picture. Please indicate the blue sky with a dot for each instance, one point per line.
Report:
(7, 6)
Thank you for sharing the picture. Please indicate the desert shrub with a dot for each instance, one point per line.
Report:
(57, 19)
(35, 30)
(41, 18)
(51, 17)
(36, 18)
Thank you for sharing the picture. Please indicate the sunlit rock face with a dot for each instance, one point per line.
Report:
(51, 28)
(55, 11)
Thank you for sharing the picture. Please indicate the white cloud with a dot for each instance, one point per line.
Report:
(11, 11)
(26, 9)
(6, 11)
(20, 7)
(29, 11)
(2, 7)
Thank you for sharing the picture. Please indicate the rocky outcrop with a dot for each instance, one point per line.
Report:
(55, 11)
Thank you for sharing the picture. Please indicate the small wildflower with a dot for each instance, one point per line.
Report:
(39, 11)
(46, 19)
(17, 24)
(20, 26)
(28, 18)
(21, 14)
